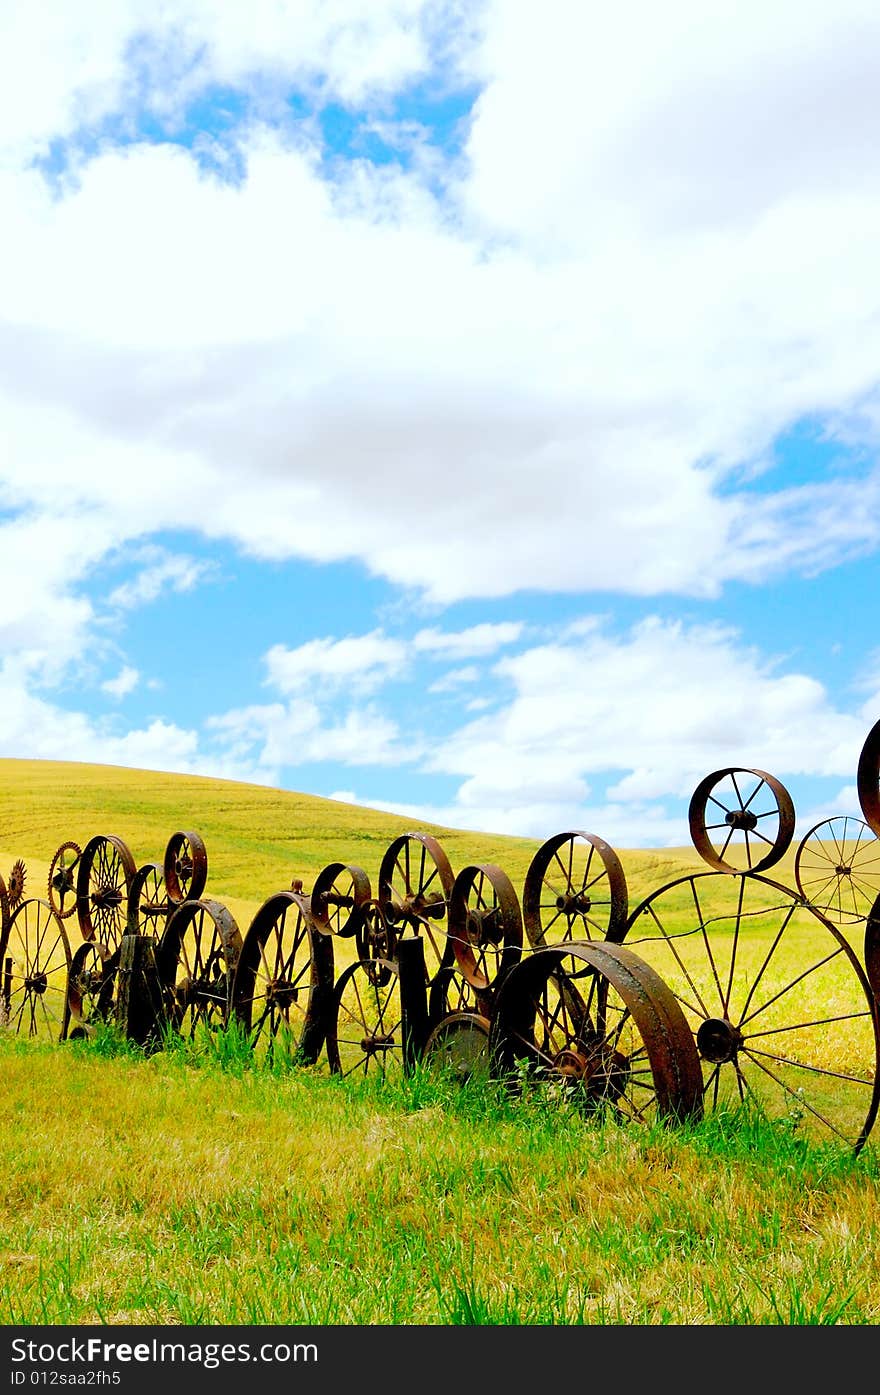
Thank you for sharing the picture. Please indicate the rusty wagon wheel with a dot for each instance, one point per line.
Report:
(35, 963)
(284, 981)
(741, 820)
(374, 938)
(15, 883)
(415, 883)
(338, 899)
(451, 993)
(614, 1039)
(837, 869)
(185, 867)
(868, 779)
(148, 904)
(62, 879)
(575, 889)
(103, 881)
(459, 1046)
(485, 926)
(91, 989)
(365, 1023)
(778, 1003)
(196, 959)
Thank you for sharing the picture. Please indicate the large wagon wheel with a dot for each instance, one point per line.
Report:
(575, 889)
(485, 926)
(837, 869)
(779, 1005)
(91, 989)
(614, 1039)
(365, 1025)
(339, 897)
(62, 879)
(415, 883)
(103, 881)
(148, 904)
(185, 867)
(196, 960)
(35, 963)
(741, 820)
(868, 779)
(284, 981)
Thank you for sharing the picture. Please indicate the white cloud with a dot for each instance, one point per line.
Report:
(472, 643)
(274, 736)
(124, 683)
(169, 573)
(361, 662)
(455, 678)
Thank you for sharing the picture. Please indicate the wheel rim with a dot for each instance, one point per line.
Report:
(148, 904)
(575, 889)
(185, 867)
(338, 900)
(283, 982)
(103, 882)
(485, 925)
(459, 1046)
(62, 879)
(196, 960)
(415, 883)
(365, 1030)
(741, 820)
(35, 966)
(837, 869)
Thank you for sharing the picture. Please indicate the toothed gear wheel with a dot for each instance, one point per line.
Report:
(15, 884)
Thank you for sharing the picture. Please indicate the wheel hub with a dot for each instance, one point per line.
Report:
(370, 1045)
(576, 903)
(281, 993)
(742, 819)
(718, 1040)
(107, 898)
(36, 983)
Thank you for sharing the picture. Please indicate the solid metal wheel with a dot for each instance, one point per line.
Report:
(741, 820)
(284, 981)
(338, 899)
(459, 1046)
(837, 869)
(35, 964)
(485, 925)
(615, 1040)
(91, 988)
(365, 1026)
(185, 867)
(103, 881)
(196, 960)
(575, 889)
(778, 1003)
(62, 879)
(148, 904)
(415, 883)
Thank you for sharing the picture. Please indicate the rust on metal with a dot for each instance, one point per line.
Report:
(575, 889)
(736, 801)
(62, 879)
(185, 867)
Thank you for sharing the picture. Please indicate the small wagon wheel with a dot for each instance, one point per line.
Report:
(575, 889)
(837, 869)
(15, 883)
(62, 879)
(35, 963)
(451, 993)
(868, 779)
(103, 881)
(374, 937)
(616, 1040)
(777, 1000)
(284, 981)
(185, 867)
(365, 1026)
(741, 820)
(91, 988)
(485, 925)
(338, 899)
(148, 904)
(196, 960)
(415, 883)
(459, 1046)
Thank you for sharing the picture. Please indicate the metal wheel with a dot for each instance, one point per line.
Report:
(459, 1046)
(196, 960)
(365, 1026)
(837, 869)
(616, 1040)
(741, 820)
(375, 938)
(35, 963)
(148, 904)
(415, 883)
(15, 883)
(284, 981)
(185, 867)
(779, 1005)
(103, 881)
(868, 779)
(485, 925)
(451, 993)
(62, 879)
(91, 988)
(575, 889)
(338, 899)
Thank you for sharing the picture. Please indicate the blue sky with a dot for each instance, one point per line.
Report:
(444, 407)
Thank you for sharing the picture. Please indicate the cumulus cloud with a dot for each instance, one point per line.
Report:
(359, 662)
